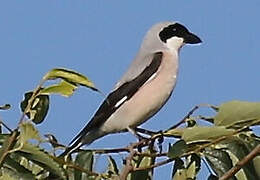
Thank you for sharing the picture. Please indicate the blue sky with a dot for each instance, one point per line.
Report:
(100, 38)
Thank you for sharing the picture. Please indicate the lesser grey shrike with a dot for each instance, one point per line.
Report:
(144, 88)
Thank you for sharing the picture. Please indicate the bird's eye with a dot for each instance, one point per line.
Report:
(174, 29)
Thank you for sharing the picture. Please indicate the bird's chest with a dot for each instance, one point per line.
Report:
(149, 98)
(154, 94)
(159, 89)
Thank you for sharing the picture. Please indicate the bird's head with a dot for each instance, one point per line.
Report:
(171, 35)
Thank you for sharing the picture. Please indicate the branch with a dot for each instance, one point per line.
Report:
(75, 166)
(9, 145)
(191, 112)
(108, 151)
(30, 101)
(185, 117)
(128, 167)
(197, 150)
(240, 164)
(154, 165)
(2, 123)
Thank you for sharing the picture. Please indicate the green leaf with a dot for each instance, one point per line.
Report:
(18, 169)
(5, 107)
(178, 165)
(251, 141)
(181, 174)
(177, 132)
(8, 141)
(42, 159)
(112, 167)
(3, 137)
(39, 109)
(27, 132)
(229, 152)
(256, 162)
(195, 158)
(70, 77)
(177, 149)
(237, 112)
(237, 150)
(204, 133)
(63, 88)
(191, 171)
(84, 160)
(143, 161)
(218, 160)
(8, 174)
(212, 177)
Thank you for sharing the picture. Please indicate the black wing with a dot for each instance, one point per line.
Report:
(126, 91)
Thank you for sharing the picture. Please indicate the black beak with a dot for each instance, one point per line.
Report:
(191, 39)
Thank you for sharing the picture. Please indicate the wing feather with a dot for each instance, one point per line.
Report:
(125, 91)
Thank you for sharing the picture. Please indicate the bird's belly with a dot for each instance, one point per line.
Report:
(146, 102)
(136, 111)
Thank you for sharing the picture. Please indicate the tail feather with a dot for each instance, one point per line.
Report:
(76, 145)
(83, 140)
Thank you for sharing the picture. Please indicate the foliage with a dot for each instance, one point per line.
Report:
(225, 142)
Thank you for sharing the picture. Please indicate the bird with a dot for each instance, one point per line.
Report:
(144, 88)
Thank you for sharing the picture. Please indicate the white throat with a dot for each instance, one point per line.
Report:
(174, 43)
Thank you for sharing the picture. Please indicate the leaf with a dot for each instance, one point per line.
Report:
(18, 169)
(177, 149)
(27, 132)
(39, 109)
(180, 175)
(191, 171)
(177, 132)
(195, 158)
(229, 152)
(212, 177)
(53, 141)
(85, 160)
(112, 167)
(218, 160)
(178, 165)
(8, 141)
(251, 141)
(63, 88)
(179, 172)
(236, 112)
(204, 133)
(8, 174)
(3, 137)
(41, 158)
(143, 161)
(5, 107)
(70, 77)
(237, 150)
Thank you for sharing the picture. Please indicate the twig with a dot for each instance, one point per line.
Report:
(30, 101)
(185, 117)
(191, 112)
(198, 150)
(75, 166)
(107, 151)
(154, 165)
(9, 129)
(145, 131)
(240, 164)
(128, 167)
(11, 143)
(152, 154)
